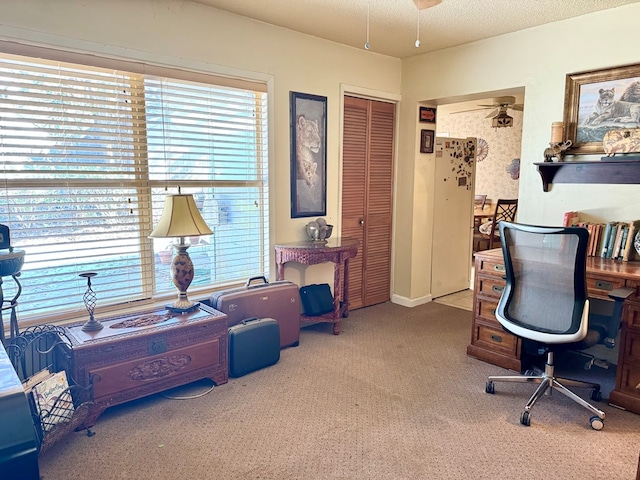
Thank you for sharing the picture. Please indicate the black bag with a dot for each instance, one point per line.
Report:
(316, 299)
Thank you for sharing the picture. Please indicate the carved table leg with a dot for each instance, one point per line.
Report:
(337, 301)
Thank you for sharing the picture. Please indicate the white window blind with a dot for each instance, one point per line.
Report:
(88, 155)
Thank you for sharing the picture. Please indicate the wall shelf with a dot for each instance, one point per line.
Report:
(611, 172)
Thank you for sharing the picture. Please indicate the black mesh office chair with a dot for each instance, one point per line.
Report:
(545, 301)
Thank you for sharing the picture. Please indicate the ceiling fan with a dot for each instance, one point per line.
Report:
(499, 105)
(422, 4)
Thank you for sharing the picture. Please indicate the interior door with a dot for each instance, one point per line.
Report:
(367, 197)
(453, 215)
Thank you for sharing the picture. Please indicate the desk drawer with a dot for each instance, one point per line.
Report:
(490, 286)
(495, 339)
(600, 287)
(486, 309)
(494, 267)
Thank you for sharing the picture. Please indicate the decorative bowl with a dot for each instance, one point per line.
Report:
(319, 231)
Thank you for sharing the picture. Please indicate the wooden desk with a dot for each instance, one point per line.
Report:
(491, 343)
(336, 250)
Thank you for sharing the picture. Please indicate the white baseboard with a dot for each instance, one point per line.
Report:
(410, 302)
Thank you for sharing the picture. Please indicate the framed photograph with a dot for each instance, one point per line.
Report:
(427, 115)
(308, 155)
(426, 141)
(598, 101)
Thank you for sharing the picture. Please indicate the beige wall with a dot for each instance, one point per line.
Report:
(194, 36)
(537, 59)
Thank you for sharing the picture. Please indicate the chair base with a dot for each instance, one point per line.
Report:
(547, 383)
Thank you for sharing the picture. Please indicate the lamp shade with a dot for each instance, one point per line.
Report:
(180, 218)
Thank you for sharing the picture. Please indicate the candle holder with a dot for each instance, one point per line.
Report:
(556, 149)
(91, 325)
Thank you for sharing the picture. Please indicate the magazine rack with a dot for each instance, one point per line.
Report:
(31, 351)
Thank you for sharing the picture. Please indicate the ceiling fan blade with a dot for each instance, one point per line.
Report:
(489, 106)
(472, 110)
(518, 107)
(493, 114)
(422, 4)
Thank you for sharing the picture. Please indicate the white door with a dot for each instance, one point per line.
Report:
(453, 215)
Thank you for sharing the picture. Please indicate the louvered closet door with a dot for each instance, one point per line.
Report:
(367, 194)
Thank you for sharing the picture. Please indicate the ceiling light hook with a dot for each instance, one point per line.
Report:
(367, 45)
(418, 32)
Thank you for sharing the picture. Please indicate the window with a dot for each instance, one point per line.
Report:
(87, 156)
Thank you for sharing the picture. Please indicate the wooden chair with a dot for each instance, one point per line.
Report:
(479, 201)
(505, 210)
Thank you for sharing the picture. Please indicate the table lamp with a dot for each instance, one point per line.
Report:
(180, 219)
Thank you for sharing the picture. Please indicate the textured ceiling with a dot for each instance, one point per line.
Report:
(393, 23)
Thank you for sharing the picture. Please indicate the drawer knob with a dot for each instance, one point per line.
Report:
(602, 285)
(496, 338)
(497, 288)
(499, 268)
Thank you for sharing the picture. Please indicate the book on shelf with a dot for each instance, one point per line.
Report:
(570, 219)
(53, 400)
(608, 238)
(617, 241)
(597, 245)
(590, 229)
(623, 241)
(629, 249)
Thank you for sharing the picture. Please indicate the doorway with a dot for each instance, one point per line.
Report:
(497, 169)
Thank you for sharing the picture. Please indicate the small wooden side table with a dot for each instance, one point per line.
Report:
(147, 352)
(336, 250)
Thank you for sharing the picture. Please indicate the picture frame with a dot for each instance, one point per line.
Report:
(426, 141)
(308, 155)
(427, 115)
(598, 101)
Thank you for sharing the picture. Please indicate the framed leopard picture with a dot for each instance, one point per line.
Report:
(308, 155)
(597, 102)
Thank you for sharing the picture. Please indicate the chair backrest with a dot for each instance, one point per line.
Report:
(506, 210)
(545, 297)
(479, 201)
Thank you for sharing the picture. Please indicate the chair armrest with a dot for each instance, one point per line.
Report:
(621, 293)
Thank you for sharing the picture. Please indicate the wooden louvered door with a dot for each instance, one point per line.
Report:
(367, 197)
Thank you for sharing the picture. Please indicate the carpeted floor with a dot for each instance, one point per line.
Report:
(394, 396)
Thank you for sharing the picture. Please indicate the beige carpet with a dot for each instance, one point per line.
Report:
(394, 396)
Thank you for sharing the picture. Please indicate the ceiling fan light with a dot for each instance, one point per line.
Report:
(502, 120)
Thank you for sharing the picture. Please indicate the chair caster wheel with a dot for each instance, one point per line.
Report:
(525, 419)
(490, 387)
(597, 423)
(595, 395)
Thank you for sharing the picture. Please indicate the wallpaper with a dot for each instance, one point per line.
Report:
(497, 175)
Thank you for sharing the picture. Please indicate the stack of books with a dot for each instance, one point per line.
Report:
(50, 398)
(608, 240)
